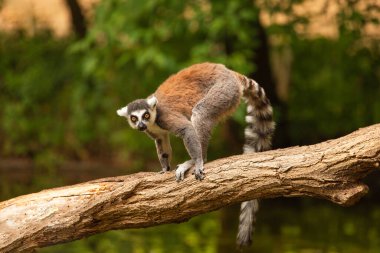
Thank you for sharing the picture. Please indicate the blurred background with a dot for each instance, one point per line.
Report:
(66, 66)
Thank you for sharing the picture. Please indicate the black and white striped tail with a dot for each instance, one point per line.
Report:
(258, 137)
(259, 118)
(247, 221)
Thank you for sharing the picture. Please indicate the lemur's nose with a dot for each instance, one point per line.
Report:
(141, 126)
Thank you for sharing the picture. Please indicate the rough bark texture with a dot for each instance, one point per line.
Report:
(330, 170)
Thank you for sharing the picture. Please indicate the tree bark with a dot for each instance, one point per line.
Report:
(330, 170)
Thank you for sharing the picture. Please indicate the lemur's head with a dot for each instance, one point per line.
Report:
(141, 113)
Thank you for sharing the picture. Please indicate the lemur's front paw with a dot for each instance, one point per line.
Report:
(165, 170)
(199, 173)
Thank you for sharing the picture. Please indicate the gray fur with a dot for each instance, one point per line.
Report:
(247, 219)
(193, 147)
(182, 169)
(138, 104)
(224, 96)
(164, 151)
(222, 91)
(221, 97)
(258, 137)
(137, 109)
(163, 147)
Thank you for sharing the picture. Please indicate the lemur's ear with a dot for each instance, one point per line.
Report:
(152, 101)
(122, 111)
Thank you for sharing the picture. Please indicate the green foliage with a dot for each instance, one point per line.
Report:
(63, 95)
(35, 75)
(335, 94)
(159, 37)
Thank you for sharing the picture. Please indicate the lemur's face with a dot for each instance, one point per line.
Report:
(141, 113)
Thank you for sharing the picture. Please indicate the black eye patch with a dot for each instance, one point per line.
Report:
(146, 116)
(133, 119)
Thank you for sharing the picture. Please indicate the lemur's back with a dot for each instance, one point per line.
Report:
(182, 91)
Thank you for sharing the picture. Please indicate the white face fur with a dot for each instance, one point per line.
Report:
(141, 119)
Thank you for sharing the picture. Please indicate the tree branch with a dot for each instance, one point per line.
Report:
(330, 170)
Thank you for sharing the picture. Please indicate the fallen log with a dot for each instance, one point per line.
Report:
(329, 170)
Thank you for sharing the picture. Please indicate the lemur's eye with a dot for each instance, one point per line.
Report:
(133, 119)
(146, 115)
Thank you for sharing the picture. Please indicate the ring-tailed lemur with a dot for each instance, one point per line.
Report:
(189, 104)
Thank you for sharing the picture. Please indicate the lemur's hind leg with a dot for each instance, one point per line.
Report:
(203, 127)
(186, 131)
(220, 100)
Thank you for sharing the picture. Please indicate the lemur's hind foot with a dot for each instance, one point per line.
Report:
(199, 172)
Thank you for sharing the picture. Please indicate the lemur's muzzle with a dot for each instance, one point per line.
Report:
(141, 126)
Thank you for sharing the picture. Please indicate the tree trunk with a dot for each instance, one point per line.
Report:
(265, 75)
(330, 170)
(78, 19)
